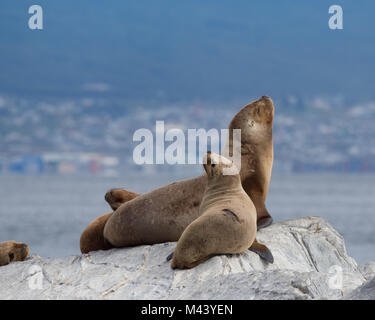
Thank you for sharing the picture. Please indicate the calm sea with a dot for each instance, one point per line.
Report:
(49, 213)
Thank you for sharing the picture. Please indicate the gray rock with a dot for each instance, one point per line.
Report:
(364, 292)
(310, 262)
(368, 270)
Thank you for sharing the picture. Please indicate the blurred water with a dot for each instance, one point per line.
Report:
(49, 213)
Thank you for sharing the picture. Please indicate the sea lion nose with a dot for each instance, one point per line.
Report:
(107, 195)
(25, 250)
(208, 157)
(267, 100)
(268, 103)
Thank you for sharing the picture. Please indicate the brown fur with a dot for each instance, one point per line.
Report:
(257, 153)
(92, 238)
(227, 222)
(13, 251)
(163, 214)
(117, 197)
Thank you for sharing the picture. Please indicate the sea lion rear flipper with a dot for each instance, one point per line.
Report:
(169, 258)
(262, 251)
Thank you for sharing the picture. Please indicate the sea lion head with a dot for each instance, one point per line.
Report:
(116, 197)
(255, 120)
(217, 165)
(13, 251)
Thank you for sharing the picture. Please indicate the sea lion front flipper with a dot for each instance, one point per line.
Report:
(264, 222)
(262, 251)
(169, 258)
(117, 197)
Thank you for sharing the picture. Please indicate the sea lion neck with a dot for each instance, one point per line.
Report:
(222, 188)
(223, 180)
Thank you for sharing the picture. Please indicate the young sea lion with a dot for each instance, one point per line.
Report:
(227, 221)
(163, 214)
(92, 238)
(12, 251)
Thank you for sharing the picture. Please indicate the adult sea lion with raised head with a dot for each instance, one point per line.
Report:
(163, 214)
(228, 219)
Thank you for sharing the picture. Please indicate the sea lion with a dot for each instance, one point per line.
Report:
(163, 214)
(92, 238)
(228, 219)
(12, 251)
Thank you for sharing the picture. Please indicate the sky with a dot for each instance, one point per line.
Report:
(187, 50)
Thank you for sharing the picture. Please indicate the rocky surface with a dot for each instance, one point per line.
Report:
(367, 290)
(364, 292)
(310, 263)
(368, 270)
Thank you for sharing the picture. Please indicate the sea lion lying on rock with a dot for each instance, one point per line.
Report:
(13, 251)
(92, 238)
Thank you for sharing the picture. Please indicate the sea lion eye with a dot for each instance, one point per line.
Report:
(11, 256)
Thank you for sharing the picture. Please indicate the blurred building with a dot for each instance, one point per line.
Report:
(55, 163)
